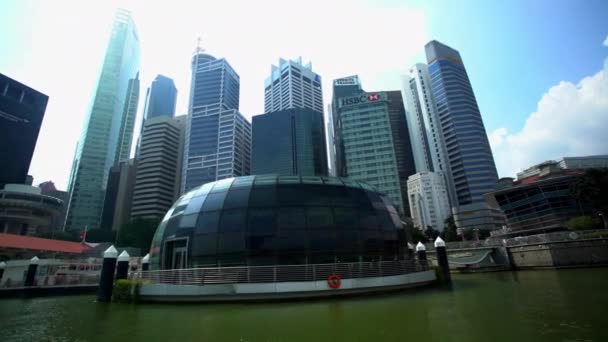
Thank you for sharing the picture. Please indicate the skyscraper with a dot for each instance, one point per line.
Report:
(342, 87)
(374, 142)
(218, 137)
(160, 98)
(292, 85)
(469, 159)
(157, 179)
(428, 200)
(21, 112)
(119, 195)
(108, 128)
(289, 142)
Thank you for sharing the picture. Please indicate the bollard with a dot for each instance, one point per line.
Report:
(442, 259)
(31, 271)
(421, 252)
(106, 281)
(2, 267)
(410, 251)
(145, 263)
(122, 267)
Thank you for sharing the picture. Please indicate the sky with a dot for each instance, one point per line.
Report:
(539, 69)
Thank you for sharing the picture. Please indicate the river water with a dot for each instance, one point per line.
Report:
(564, 305)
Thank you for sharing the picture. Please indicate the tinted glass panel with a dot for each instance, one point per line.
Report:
(237, 198)
(204, 245)
(222, 185)
(262, 222)
(262, 196)
(346, 218)
(188, 221)
(195, 204)
(207, 222)
(241, 182)
(214, 201)
(319, 218)
(291, 218)
(233, 220)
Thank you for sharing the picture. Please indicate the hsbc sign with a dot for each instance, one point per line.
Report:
(355, 100)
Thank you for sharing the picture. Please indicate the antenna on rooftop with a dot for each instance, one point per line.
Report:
(198, 49)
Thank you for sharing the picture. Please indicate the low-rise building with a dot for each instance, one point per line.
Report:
(24, 210)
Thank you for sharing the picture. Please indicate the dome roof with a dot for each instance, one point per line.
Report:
(270, 220)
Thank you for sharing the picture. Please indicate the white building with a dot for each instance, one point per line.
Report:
(292, 85)
(428, 200)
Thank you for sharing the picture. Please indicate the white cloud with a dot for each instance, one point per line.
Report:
(570, 120)
(61, 54)
(606, 41)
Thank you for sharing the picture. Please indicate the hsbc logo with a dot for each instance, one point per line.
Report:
(349, 101)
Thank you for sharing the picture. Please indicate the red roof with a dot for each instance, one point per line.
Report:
(40, 244)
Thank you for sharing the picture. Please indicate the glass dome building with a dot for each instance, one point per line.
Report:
(278, 220)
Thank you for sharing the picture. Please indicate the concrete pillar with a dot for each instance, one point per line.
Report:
(145, 263)
(410, 251)
(106, 281)
(2, 267)
(31, 271)
(421, 253)
(442, 259)
(122, 267)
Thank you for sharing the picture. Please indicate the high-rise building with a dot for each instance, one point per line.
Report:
(292, 85)
(21, 112)
(342, 87)
(469, 161)
(160, 98)
(157, 179)
(375, 144)
(428, 200)
(108, 128)
(119, 195)
(218, 137)
(289, 142)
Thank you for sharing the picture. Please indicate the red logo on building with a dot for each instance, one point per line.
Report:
(373, 97)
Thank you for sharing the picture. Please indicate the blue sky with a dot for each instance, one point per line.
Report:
(538, 68)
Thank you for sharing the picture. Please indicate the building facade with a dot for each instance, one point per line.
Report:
(469, 160)
(24, 210)
(108, 128)
(218, 137)
(157, 179)
(293, 85)
(21, 112)
(289, 142)
(374, 143)
(428, 200)
(566, 163)
(119, 196)
(342, 87)
(161, 97)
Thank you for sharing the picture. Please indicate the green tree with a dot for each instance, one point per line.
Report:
(449, 231)
(100, 235)
(138, 233)
(431, 233)
(582, 223)
(592, 188)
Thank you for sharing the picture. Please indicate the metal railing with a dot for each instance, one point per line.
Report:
(280, 273)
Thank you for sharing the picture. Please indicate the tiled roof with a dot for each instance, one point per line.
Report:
(40, 244)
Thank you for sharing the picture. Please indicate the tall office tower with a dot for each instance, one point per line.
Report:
(157, 179)
(469, 159)
(21, 112)
(108, 128)
(428, 200)
(329, 137)
(342, 87)
(119, 195)
(292, 85)
(218, 137)
(375, 143)
(160, 98)
(289, 142)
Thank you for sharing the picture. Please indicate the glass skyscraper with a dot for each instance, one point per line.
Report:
(218, 137)
(21, 111)
(160, 98)
(470, 162)
(289, 142)
(108, 128)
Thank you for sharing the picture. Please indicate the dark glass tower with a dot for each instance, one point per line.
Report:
(218, 137)
(21, 112)
(289, 142)
(470, 159)
(160, 98)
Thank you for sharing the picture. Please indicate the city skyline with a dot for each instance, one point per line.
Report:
(552, 81)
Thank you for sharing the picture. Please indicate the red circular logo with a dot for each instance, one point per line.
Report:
(373, 97)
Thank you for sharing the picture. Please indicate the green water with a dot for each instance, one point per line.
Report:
(565, 305)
